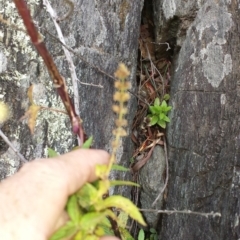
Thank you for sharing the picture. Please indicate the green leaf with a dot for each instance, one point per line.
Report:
(122, 219)
(153, 121)
(152, 109)
(90, 221)
(162, 123)
(166, 119)
(107, 228)
(157, 109)
(117, 167)
(164, 103)
(156, 102)
(125, 234)
(162, 116)
(87, 195)
(132, 160)
(123, 203)
(166, 109)
(101, 171)
(153, 230)
(120, 183)
(166, 97)
(141, 235)
(91, 237)
(81, 235)
(103, 186)
(87, 144)
(73, 209)
(68, 230)
(52, 153)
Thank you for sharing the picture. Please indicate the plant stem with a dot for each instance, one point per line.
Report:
(58, 80)
(6, 140)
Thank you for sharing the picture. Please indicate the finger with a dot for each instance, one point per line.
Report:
(70, 170)
(41, 188)
(61, 221)
(109, 238)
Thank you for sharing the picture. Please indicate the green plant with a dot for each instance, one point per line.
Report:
(152, 236)
(90, 209)
(141, 234)
(158, 112)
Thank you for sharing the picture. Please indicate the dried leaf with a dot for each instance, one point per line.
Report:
(122, 71)
(31, 114)
(30, 94)
(4, 112)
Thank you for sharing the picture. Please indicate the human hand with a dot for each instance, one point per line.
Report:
(32, 201)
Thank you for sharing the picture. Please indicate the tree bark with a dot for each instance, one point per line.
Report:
(203, 135)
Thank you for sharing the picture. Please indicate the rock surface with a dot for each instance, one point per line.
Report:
(103, 33)
(151, 179)
(203, 135)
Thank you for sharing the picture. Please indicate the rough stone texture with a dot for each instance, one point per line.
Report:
(172, 19)
(151, 179)
(103, 33)
(204, 134)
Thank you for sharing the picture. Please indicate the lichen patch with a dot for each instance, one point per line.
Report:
(169, 8)
(216, 65)
(217, 18)
(3, 60)
(213, 22)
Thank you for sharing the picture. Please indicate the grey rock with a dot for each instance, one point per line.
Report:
(103, 33)
(151, 178)
(203, 135)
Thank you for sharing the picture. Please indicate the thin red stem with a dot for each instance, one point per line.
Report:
(58, 80)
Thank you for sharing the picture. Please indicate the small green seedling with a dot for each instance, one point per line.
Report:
(152, 234)
(141, 234)
(159, 112)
